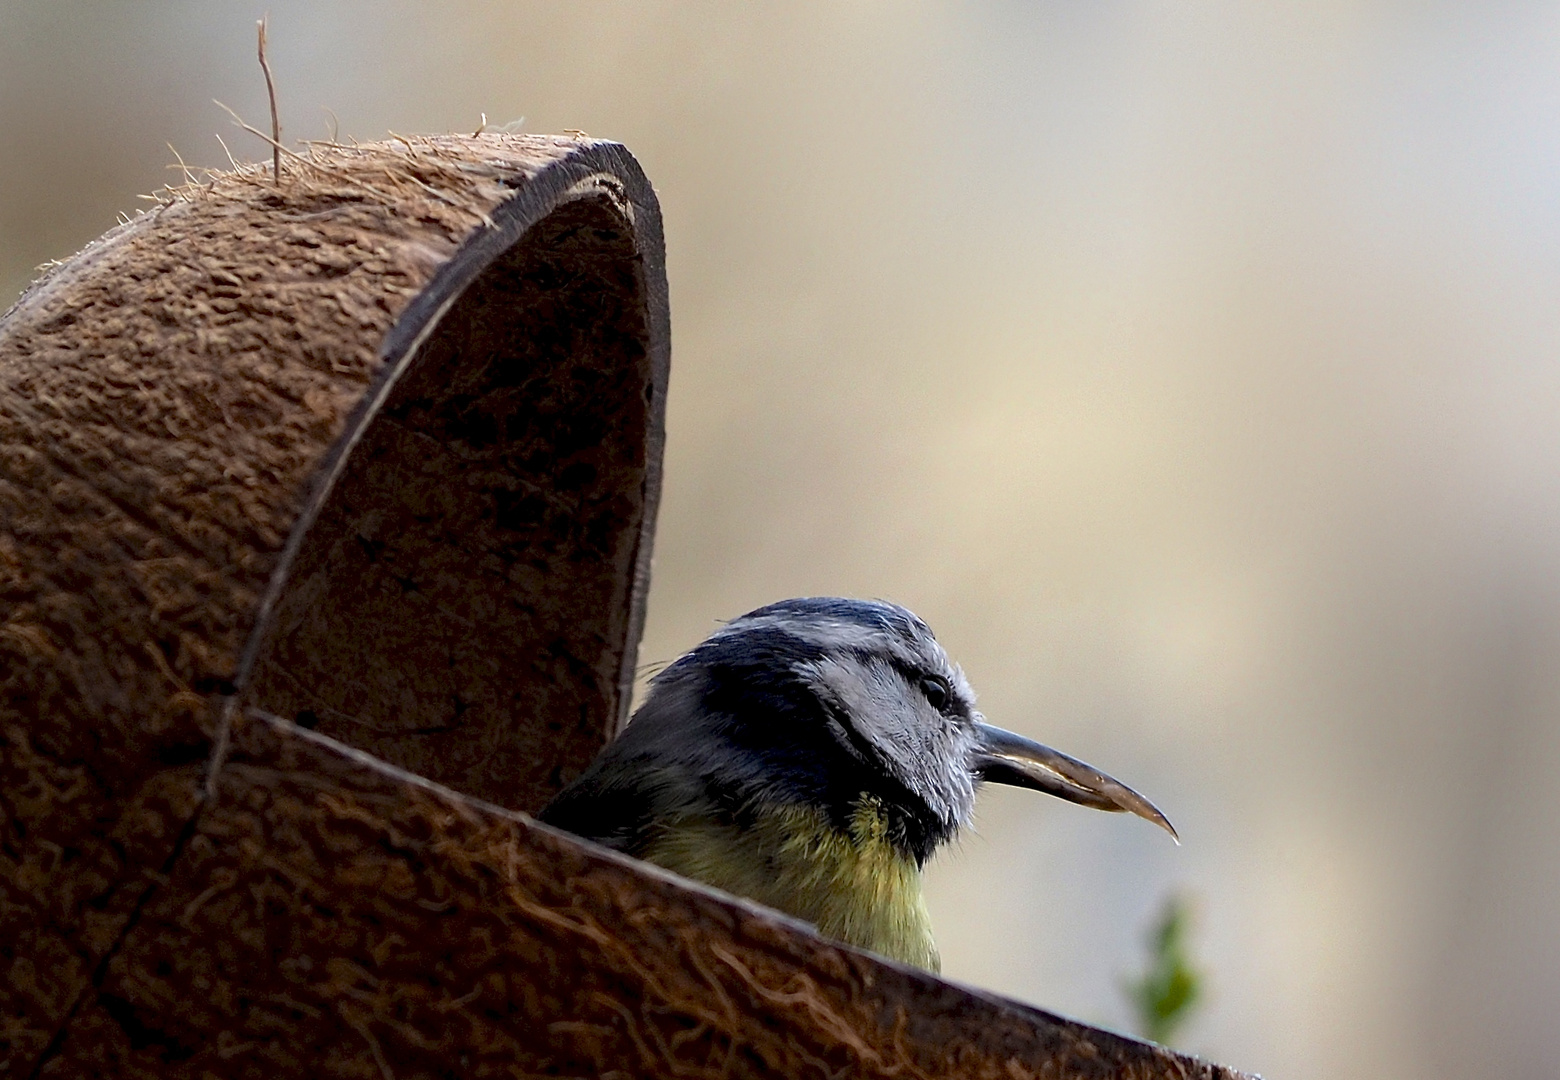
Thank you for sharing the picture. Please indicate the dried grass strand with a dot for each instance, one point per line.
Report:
(231, 159)
(270, 90)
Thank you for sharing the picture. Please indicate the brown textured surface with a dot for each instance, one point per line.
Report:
(377, 449)
(334, 919)
(515, 449)
(172, 403)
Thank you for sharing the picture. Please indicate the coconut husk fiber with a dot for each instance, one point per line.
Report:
(326, 505)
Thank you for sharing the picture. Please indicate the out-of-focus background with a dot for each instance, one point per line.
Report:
(1193, 369)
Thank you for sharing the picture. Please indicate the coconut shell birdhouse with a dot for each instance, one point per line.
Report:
(326, 508)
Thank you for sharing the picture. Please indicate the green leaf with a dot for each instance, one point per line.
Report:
(1166, 994)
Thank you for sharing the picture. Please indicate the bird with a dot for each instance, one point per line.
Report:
(811, 755)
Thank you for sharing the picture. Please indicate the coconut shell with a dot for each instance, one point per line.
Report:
(326, 507)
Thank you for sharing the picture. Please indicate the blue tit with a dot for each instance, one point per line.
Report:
(812, 755)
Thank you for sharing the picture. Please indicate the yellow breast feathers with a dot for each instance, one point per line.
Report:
(853, 886)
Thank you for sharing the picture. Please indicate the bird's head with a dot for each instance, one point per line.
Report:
(825, 701)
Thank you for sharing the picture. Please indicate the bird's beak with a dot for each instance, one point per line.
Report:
(1005, 758)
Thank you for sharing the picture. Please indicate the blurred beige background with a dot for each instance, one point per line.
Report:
(1193, 368)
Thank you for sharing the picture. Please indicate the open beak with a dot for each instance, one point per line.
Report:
(1005, 758)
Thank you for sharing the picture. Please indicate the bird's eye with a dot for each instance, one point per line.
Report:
(935, 687)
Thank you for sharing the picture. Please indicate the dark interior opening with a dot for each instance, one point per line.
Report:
(460, 607)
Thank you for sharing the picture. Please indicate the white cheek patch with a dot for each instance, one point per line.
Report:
(920, 747)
